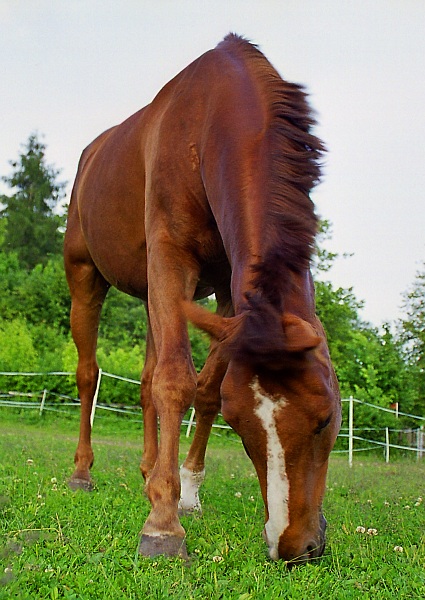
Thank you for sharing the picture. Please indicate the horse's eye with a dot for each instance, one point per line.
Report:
(323, 424)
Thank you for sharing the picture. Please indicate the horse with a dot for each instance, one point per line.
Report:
(207, 190)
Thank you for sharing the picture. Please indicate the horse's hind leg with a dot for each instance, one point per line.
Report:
(207, 406)
(88, 290)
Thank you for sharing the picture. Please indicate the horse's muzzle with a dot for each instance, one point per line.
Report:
(305, 550)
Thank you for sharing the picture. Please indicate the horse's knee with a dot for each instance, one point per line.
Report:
(174, 387)
(86, 376)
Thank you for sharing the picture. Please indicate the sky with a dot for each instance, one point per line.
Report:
(72, 68)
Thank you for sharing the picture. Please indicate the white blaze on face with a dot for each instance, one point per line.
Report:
(277, 480)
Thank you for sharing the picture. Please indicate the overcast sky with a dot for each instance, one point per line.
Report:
(71, 68)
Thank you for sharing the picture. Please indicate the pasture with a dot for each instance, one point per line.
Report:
(56, 543)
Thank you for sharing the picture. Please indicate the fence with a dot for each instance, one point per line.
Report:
(38, 401)
(352, 437)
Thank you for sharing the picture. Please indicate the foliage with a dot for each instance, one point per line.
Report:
(412, 335)
(32, 228)
(60, 544)
(374, 365)
(369, 363)
(323, 258)
(21, 354)
(123, 320)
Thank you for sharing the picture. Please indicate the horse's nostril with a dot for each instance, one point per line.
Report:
(313, 550)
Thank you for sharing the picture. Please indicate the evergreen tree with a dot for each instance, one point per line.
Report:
(30, 224)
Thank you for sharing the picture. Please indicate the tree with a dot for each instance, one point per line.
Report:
(413, 335)
(369, 363)
(17, 352)
(30, 223)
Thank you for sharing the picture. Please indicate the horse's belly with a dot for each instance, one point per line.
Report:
(123, 267)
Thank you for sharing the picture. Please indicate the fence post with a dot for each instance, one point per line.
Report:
(190, 424)
(43, 401)
(387, 445)
(422, 441)
(96, 394)
(350, 431)
(419, 443)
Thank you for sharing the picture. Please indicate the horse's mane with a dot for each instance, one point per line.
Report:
(293, 165)
(294, 168)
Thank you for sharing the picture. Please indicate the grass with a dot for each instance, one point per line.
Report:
(59, 544)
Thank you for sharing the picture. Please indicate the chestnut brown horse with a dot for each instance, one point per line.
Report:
(207, 190)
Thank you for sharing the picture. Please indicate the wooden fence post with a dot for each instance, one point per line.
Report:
(350, 431)
(419, 442)
(43, 401)
(190, 424)
(387, 445)
(96, 394)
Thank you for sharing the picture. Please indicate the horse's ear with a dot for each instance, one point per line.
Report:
(211, 323)
(299, 334)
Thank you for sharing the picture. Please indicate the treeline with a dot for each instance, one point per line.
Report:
(382, 366)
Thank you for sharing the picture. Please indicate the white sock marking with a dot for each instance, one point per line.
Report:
(189, 495)
(277, 480)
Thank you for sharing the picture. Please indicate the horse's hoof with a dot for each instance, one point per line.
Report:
(167, 545)
(76, 483)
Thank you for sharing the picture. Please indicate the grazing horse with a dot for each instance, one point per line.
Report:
(207, 190)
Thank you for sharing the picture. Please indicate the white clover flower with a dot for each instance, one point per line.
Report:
(398, 549)
(386, 503)
(371, 531)
(251, 499)
(53, 480)
(30, 461)
(361, 529)
(238, 495)
(217, 559)
(232, 475)
(407, 507)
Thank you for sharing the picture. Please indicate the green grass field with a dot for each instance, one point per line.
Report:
(59, 544)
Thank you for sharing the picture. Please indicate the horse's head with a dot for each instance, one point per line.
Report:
(284, 403)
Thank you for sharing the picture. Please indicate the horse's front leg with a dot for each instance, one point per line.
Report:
(150, 417)
(173, 391)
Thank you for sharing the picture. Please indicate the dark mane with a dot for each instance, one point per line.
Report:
(294, 168)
